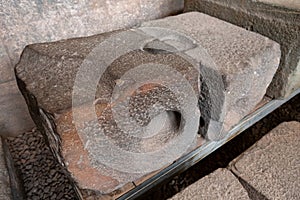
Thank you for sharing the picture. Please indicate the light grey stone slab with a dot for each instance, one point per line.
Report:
(247, 62)
(272, 165)
(5, 191)
(26, 22)
(280, 22)
(220, 184)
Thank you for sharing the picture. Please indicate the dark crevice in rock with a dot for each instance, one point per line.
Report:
(252, 192)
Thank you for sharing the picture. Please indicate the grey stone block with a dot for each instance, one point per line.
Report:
(271, 166)
(279, 22)
(28, 22)
(246, 61)
(50, 93)
(221, 184)
(5, 191)
(203, 50)
(14, 115)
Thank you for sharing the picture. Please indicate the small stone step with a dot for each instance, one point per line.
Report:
(220, 184)
(272, 165)
(232, 66)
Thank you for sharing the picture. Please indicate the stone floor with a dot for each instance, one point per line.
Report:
(270, 169)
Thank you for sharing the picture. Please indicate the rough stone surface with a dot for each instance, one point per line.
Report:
(246, 60)
(26, 22)
(51, 84)
(279, 23)
(14, 117)
(5, 192)
(46, 75)
(221, 184)
(272, 166)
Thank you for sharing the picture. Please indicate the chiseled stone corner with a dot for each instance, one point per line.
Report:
(277, 19)
(220, 184)
(272, 166)
(246, 61)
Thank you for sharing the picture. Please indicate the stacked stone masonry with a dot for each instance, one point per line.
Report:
(268, 170)
(277, 19)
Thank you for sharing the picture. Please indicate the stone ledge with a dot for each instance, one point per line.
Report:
(221, 184)
(272, 166)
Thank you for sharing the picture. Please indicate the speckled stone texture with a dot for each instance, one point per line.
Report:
(221, 184)
(277, 19)
(46, 76)
(272, 166)
(246, 60)
(26, 22)
(5, 192)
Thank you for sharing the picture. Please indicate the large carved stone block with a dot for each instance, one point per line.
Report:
(117, 106)
(246, 61)
(27, 22)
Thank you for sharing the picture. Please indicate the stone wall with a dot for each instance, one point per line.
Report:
(25, 22)
(277, 19)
